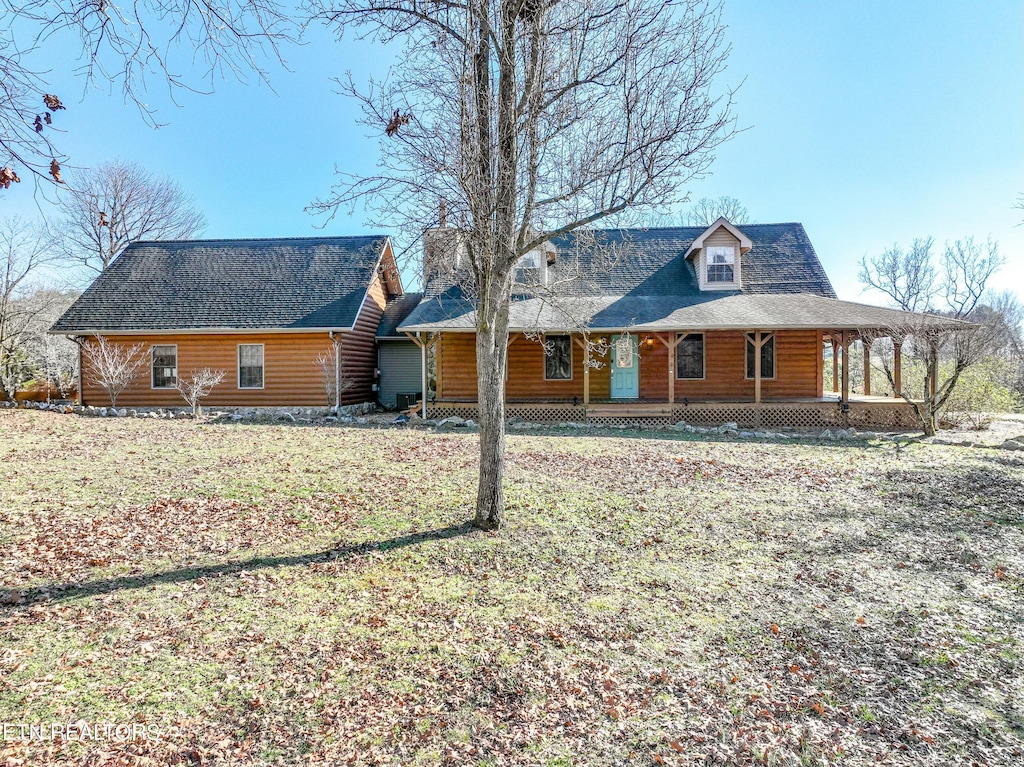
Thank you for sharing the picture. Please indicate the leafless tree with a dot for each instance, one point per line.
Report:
(531, 119)
(119, 45)
(707, 210)
(907, 277)
(961, 331)
(23, 250)
(336, 378)
(113, 366)
(198, 386)
(115, 204)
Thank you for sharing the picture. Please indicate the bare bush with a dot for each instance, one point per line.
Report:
(198, 386)
(113, 366)
(334, 375)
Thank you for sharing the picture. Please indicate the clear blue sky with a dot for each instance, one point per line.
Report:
(869, 122)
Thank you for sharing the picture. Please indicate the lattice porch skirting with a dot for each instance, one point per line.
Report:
(746, 415)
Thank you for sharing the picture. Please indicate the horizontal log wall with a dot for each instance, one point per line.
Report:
(359, 350)
(797, 367)
(291, 376)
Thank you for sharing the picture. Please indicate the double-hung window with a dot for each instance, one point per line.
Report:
(165, 367)
(690, 356)
(250, 366)
(721, 264)
(557, 358)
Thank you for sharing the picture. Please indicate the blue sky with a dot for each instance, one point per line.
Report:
(869, 122)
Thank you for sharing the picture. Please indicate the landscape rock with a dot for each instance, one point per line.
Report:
(1011, 444)
(725, 428)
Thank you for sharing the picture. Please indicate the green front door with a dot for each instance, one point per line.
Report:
(625, 367)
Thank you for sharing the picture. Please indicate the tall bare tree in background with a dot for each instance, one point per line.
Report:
(115, 204)
(531, 119)
(954, 289)
(118, 45)
(707, 210)
(23, 249)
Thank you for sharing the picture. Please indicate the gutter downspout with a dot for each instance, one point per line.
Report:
(337, 372)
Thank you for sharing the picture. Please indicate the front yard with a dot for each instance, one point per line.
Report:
(268, 594)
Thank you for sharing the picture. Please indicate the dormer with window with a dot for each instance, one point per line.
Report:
(531, 270)
(716, 256)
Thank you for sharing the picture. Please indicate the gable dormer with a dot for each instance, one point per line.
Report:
(716, 256)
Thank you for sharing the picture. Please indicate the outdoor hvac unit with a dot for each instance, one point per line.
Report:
(406, 401)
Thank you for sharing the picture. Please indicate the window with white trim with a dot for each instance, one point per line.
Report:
(690, 356)
(721, 263)
(165, 367)
(767, 355)
(557, 358)
(530, 269)
(250, 366)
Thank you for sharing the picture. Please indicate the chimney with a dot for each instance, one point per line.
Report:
(442, 214)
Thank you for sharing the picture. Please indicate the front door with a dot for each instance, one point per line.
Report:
(625, 367)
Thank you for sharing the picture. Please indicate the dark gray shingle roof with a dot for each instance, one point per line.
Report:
(394, 313)
(642, 278)
(293, 283)
(731, 311)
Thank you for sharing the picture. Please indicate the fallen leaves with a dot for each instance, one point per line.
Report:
(650, 602)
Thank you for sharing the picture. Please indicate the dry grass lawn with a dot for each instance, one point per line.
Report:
(268, 594)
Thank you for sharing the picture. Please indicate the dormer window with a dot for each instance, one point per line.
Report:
(530, 268)
(721, 262)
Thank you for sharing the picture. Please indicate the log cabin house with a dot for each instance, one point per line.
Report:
(263, 311)
(705, 325)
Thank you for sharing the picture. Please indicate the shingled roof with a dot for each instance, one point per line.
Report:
(394, 313)
(641, 278)
(298, 283)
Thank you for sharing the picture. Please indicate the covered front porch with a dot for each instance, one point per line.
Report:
(754, 378)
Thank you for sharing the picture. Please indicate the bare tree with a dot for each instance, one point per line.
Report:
(906, 277)
(53, 359)
(707, 210)
(114, 366)
(961, 331)
(532, 119)
(117, 203)
(23, 250)
(119, 45)
(198, 386)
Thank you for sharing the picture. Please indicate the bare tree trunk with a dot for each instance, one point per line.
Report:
(491, 361)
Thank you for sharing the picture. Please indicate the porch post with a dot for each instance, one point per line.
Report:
(897, 367)
(672, 370)
(586, 373)
(423, 370)
(835, 364)
(757, 365)
(866, 343)
(846, 365)
(437, 366)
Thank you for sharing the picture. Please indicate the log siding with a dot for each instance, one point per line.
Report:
(797, 370)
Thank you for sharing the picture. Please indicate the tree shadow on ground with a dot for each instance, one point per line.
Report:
(67, 591)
